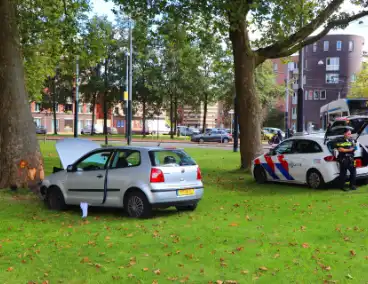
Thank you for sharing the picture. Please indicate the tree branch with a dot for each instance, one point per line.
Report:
(304, 32)
(294, 48)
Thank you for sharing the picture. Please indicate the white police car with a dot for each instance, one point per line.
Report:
(306, 159)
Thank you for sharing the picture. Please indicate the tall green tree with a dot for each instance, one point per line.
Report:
(359, 88)
(282, 34)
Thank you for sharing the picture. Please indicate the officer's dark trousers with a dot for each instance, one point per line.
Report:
(345, 165)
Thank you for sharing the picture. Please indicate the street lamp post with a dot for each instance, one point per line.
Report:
(76, 107)
(126, 96)
(130, 83)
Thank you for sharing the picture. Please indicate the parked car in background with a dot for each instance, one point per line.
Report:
(187, 131)
(97, 129)
(137, 179)
(274, 130)
(219, 136)
(112, 130)
(41, 129)
(266, 135)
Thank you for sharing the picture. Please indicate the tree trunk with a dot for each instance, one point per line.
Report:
(94, 99)
(144, 106)
(54, 107)
(176, 115)
(205, 105)
(18, 142)
(248, 104)
(171, 116)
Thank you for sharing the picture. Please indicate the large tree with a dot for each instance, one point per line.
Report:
(282, 33)
(20, 160)
(359, 88)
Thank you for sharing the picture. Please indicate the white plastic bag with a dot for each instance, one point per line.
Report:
(84, 207)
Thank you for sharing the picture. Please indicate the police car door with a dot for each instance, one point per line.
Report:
(282, 154)
(307, 154)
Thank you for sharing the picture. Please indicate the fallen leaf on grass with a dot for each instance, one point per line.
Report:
(263, 268)
(231, 282)
(244, 272)
(157, 272)
(219, 282)
(85, 260)
(154, 282)
(303, 228)
(145, 269)
(239, 248)
(349, 276)
(98, 265)
(305, 245)
(277, 255)
(10, 269)
(248, 218)
(46, 282)
(353, 253)
(234, 225)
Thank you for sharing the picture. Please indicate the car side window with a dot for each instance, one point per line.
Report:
(126, 159)
(96, 161)
(307, 147)
(285, 147)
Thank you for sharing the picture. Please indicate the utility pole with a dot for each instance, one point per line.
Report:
(236, 127)
(130, 83)
(287, 100)
(126, 96)
(76, 106)
(105, 103)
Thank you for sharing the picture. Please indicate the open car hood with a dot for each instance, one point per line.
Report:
(71, 149)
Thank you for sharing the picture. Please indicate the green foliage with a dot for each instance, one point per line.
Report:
(359, 88)
(48, 30)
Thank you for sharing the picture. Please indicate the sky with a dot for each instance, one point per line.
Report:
(100, 7)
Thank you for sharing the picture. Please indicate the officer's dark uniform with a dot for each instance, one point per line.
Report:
(346, 161)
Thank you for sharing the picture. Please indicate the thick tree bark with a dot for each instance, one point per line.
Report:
(176, 115)
(144, 107)
(18, 142)
(171, 116)
(94, 99)
(205, 106)
(248, 104)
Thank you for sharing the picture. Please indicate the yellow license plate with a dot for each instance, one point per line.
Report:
(183, 192)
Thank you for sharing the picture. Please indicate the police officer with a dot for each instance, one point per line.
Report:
(346, 148)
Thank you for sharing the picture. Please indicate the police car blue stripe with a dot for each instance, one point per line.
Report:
(284, 172)
(270, 171)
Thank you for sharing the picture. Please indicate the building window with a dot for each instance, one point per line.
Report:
(275, 67)
(294, 110)
(316, 95)
(326, 45)
(310, 95)
(80, 108)
(323, 95)
(351, 45)
(332, 64)
(68, 108)
(315, 47)
(37, 121)
(306, 95)
(353, 78)
(332, 78)
(339, 45)
(89, 108)
(37, 107)
(306, 65)
(295, 99)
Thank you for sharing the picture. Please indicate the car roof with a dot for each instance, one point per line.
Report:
(350, 117)
(140, 148)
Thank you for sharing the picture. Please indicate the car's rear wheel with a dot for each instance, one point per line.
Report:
(315, 179)
(190, 207)
(137, 205)
(260, 175)
(55, 199)
(225, 140)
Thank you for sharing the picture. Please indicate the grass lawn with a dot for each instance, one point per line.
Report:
(240, 231)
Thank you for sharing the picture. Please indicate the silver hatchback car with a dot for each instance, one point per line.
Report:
(137, 179)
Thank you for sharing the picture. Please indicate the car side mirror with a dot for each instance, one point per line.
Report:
(70, 168)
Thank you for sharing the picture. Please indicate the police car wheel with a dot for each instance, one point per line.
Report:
(315, 179)
(260, 175)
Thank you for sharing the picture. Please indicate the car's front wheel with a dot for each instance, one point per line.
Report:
(225, 140)
(315, 179)
(55, 199)
(137, 205)
(190, 207)
(260, 175)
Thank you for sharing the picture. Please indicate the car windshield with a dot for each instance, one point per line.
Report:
(169, 158)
